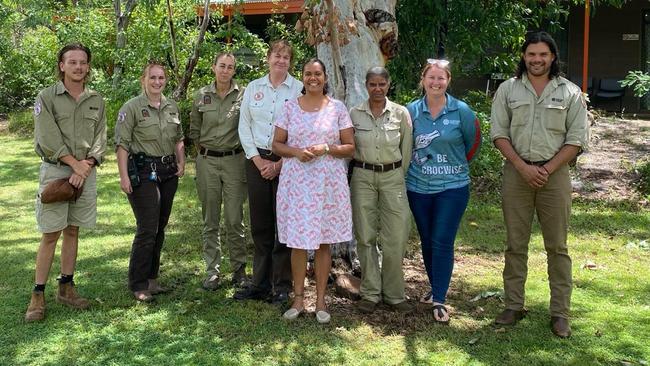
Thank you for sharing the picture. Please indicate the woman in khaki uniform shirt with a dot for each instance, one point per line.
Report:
(151, 158)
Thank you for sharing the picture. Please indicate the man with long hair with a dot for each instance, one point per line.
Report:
(539, 124)
(70, 138)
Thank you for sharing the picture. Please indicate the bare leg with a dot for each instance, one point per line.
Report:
(69, 249)
(298, 271)
(322, 264)
(44, 256)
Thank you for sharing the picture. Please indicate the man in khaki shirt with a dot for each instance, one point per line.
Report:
(539, 124)
(220, 170)
(383, 137)
(70, 138)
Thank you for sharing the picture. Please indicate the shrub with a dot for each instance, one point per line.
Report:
(642, 170)
(21, 122)
(486, 167)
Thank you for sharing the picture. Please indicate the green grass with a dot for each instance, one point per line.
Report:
(611, 304)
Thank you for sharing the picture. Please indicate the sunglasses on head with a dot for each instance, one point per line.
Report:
(433, 61)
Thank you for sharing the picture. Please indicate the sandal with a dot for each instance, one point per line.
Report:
(440, 311)
(293, 313)
(323, 317)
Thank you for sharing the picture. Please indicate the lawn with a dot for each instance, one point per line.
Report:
(611, 301)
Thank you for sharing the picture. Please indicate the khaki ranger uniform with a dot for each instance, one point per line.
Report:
(150, 135)
(220, 173)
(65, 126)
(380, 210)
(538, 127)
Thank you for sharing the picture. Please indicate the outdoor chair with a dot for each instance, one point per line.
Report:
(611, 89)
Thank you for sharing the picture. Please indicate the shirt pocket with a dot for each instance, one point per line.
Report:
(520, 112)
(172, 126)
(392, 132)
(91, 119)
(363, 135)
(555, 117)
(260, 111)
(66, 124)
(147, 130)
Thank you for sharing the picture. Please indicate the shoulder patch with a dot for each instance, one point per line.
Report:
(121, 116)
(37, 107)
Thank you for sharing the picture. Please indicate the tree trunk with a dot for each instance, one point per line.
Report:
(181, 88)
(359, 34)
(121, 24)
(172, 36)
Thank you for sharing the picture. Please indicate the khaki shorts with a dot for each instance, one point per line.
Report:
(53, 217)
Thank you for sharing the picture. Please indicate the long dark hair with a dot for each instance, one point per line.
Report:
(315, 60)
(537, 37)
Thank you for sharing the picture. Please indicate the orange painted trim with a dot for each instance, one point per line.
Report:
(585, 50)
(259, 8)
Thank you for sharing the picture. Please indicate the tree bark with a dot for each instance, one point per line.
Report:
(121, 24)
(181, 89)
(366, 36)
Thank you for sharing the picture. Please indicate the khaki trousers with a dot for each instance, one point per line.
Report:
(222, 180)
(382, 220)
(552, 203)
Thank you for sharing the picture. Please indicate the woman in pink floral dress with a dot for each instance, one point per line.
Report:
(314, 136)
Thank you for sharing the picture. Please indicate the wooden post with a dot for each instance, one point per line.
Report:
(585, 50)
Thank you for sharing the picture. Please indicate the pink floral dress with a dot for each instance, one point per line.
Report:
(313, 199)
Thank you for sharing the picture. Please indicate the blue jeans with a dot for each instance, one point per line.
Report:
(437, 217)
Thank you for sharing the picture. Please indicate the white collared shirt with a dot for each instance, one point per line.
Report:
(260, 107)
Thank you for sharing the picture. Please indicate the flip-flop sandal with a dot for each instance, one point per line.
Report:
(427, 299)
(440, 311)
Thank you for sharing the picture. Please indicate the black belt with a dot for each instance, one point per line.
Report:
(57, 162)
(536, 163)
(167, 159)
(268, 155)
(219, 154)
(379, 167)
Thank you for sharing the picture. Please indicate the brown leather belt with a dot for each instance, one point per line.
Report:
(219, 154)
(378, 167)
(536, 163)
(53, 162)
(268, 155)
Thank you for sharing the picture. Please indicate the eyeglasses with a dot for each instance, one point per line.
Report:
(441, 63)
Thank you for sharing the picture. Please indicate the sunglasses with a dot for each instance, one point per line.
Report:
(441, 63)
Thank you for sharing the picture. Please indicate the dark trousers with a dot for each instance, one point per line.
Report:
(437, 217)
(152, 204)
(272, 259)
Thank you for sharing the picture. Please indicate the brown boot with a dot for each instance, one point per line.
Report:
(510, 317)
(560, 327)
(67, 295)
(36, 309)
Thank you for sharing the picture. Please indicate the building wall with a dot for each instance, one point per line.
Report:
(609, 55)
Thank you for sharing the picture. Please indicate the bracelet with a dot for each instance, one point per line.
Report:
(327, 149)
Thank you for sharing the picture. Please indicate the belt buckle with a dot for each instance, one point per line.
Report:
(167, 159)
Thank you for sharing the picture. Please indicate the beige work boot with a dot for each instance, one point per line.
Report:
(67, 295)
(36, 308)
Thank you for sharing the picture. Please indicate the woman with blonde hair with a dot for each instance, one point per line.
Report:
(447, 137)
(150, 158)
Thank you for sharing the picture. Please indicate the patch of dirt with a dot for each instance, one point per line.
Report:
(605, 172)
(4, 123)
